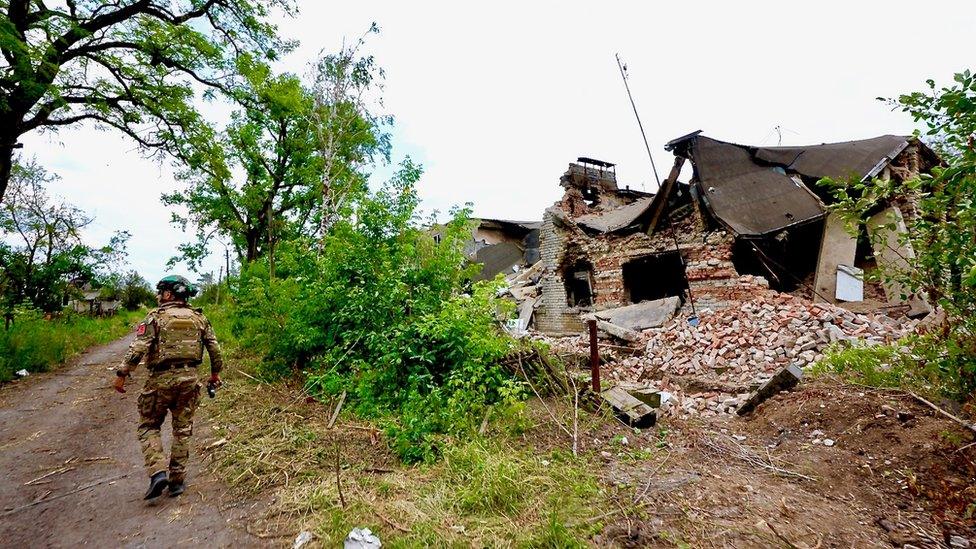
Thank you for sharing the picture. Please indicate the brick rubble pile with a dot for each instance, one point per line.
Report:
(710, 369)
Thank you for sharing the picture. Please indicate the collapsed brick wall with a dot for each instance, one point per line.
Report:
(713, 280)
(554, 316)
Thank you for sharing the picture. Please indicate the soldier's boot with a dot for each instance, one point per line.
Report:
(157, 484)
(176, 488)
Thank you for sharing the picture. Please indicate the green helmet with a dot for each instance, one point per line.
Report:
(180, 286)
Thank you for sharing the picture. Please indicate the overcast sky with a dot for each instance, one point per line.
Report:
(495, 99)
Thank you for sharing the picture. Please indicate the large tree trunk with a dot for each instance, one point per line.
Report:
(6, 162)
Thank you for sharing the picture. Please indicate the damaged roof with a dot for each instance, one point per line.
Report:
(864, 158)
(617, 218)
(755, 191)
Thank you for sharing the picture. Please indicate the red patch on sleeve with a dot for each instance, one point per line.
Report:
(141, 329)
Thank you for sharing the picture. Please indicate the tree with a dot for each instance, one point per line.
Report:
(258, 181)
(43, 250)
(129, 288)
(350, 134)
(289, 162)
(130, 65)
(942, 232)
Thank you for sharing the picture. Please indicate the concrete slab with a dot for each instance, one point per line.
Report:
(634, 412)
(784, 380)
(643, 315)
(837, 247)
(886, 228)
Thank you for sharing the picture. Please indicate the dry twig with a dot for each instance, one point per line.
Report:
(338, 408)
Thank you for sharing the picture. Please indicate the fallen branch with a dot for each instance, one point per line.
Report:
(781, 537)
(342, 498)
(745, 454)
(391, 523)
(66, 494)
(52, 473)
(338, 408)
(650, 478)
(216, 444)
(958, 420)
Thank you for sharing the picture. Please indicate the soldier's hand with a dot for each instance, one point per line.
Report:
(119, 384)
(215, 380)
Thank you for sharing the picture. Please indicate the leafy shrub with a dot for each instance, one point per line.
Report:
(940, 230)
(384, 311)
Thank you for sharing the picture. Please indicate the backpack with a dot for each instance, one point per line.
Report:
(179, 336)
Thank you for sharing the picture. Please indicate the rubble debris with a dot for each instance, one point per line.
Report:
(643, 315)
(784, 380)
(362, 538)
(302, 539)
(629, 409)
(712, 368)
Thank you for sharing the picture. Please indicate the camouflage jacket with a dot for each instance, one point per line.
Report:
(173, 333)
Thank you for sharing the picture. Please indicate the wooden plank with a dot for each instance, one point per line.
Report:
(661, 198)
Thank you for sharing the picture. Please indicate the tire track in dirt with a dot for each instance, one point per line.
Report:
(67, 441)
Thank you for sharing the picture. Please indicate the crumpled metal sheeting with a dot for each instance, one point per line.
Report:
(752, 200)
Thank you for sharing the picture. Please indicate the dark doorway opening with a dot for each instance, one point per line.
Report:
(654, 277)
(579, 284)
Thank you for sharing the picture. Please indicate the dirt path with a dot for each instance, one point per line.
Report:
(72, 429)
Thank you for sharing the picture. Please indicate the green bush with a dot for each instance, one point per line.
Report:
(36, 344)
(385, 312)
(940, 229)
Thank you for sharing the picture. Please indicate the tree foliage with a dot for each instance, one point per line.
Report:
(943, 231)
(258, 181)
(348, 93)
(131, 65)
(384, 312)
(291, 160)
(41, 248)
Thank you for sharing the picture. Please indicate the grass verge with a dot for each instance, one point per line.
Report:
(35, 344)
(506, 488)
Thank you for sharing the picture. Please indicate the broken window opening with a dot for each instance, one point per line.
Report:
(591, 195)
(864, 259)
(579, 284)
(655, 277)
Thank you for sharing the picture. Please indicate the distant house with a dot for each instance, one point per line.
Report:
(88, 301)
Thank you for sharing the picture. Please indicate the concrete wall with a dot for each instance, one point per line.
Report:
(837, 247)
(886, 229)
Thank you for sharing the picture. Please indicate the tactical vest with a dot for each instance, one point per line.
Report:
(180, 336)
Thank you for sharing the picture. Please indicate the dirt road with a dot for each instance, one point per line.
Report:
(71, 470)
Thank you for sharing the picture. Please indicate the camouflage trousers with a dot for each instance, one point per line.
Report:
(176, 391)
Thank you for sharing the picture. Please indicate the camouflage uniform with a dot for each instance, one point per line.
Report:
(171, 339)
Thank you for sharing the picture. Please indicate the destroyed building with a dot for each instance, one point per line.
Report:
(749, 218)
(503, 246)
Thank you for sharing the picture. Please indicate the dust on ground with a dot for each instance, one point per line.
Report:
(73, 473)
(830, 465)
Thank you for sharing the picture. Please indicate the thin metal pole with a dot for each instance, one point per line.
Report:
(639, 125)
(594, 356)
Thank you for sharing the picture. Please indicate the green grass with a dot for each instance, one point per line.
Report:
(36, 345)
(875, 366)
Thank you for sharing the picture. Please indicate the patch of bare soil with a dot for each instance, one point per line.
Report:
(72, 470)
(829, 465)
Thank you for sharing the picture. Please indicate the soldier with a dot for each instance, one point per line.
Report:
(171, 339)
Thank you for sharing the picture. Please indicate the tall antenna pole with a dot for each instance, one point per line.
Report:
(623, 74)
